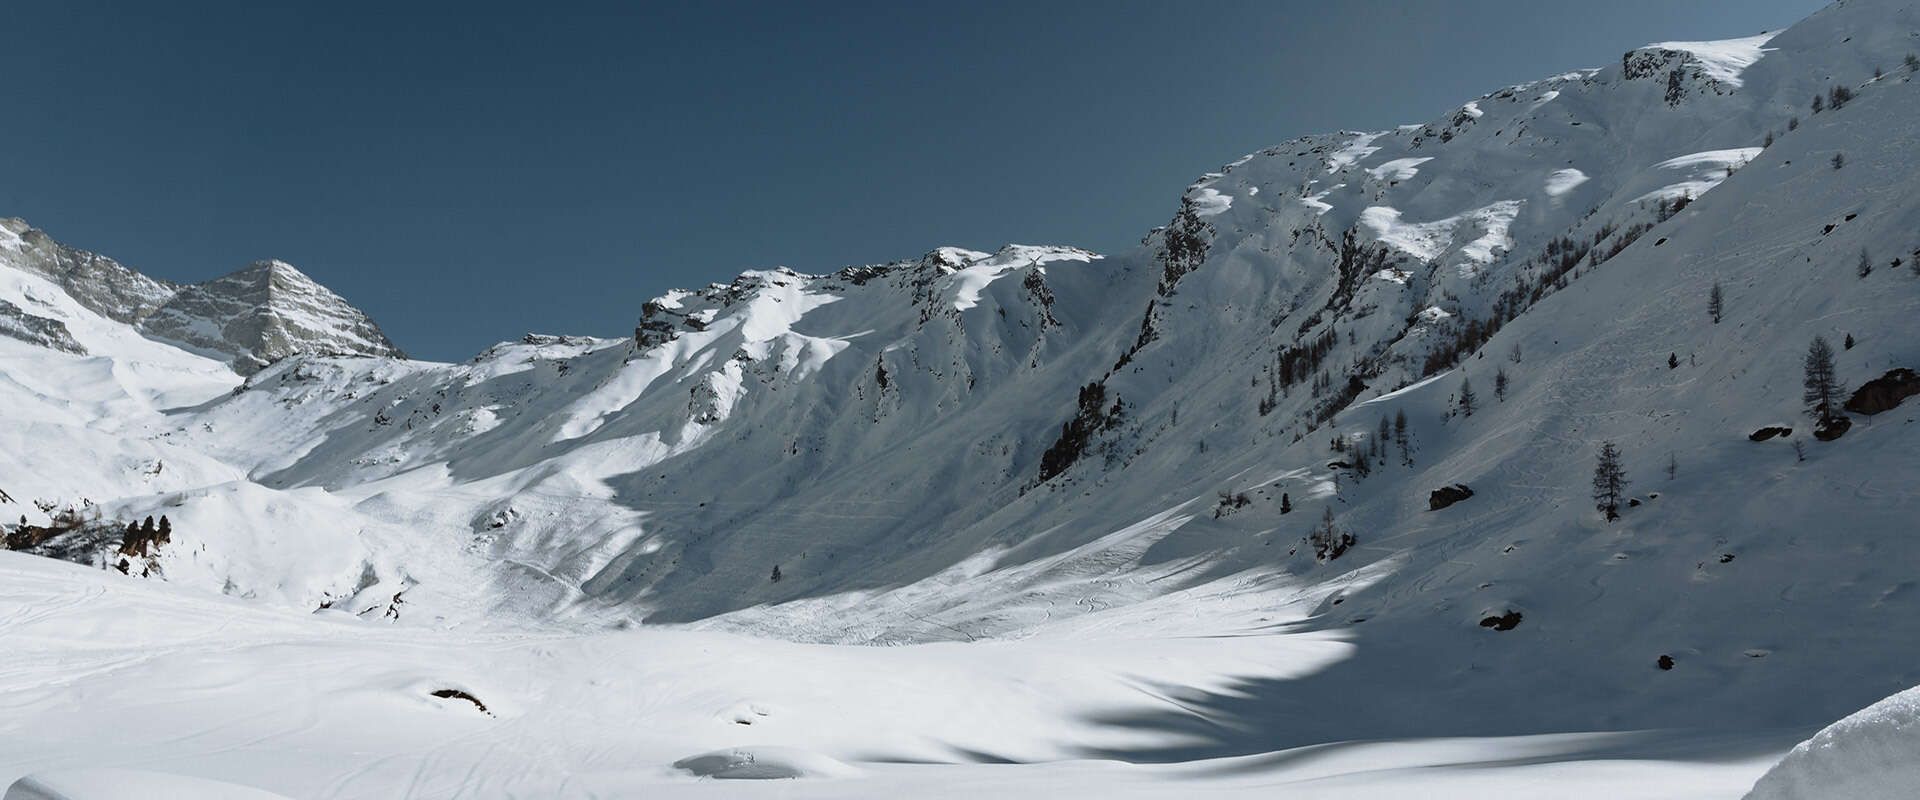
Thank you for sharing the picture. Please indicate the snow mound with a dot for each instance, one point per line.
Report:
(764, 763)
(1866, 756)
(117, 784)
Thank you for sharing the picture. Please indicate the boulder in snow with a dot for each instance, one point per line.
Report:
(1447, 495)
(1884, 392)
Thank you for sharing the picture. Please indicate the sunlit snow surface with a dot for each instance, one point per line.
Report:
(104, 674)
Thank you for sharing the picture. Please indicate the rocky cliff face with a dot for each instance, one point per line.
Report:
(264, 313)
(250, 318)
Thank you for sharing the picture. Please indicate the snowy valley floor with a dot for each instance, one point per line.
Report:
(101, 672)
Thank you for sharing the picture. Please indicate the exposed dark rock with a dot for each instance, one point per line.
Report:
(1832, 428)
(1503, 622)
(1769, 432)
(1447, 495)
(1665, 662)
(456, 694)
(1884, 392)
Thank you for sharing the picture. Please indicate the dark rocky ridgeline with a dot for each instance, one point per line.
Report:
(1769, 432)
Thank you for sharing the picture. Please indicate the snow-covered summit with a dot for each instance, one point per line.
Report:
(251, 317)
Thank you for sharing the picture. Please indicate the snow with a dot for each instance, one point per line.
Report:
(320, 707)
(579, 532)
(1356, 148)
(1868, 755)
(1428, 241)
(1399, 169)
(1209, 202)
(1702, 171)
(113, 784)
(1723, 60)
(1563, 181)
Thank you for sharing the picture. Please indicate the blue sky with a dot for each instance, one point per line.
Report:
(470, 172)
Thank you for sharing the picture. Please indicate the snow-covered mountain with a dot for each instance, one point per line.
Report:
(1041, 443)
(253, 317)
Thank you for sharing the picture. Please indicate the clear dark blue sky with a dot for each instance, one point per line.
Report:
(468, 172)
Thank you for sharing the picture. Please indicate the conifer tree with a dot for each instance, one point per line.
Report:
(1823, 390)
(1500, 384)
(1716, 303)
(1609, 482)
(1467, 397)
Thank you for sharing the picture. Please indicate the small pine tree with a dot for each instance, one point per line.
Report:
(1913, 62)
(1822, 388)
(1513, 353)
(1286, 503)
(1609, 482)
(147, 528)
(1848, 343)
(1819, 104)
(1864, 266)
(1768, 141)
(1466, 397)
(1839, 160)
(1362, 466)
(1500, 384)
(1673, 466)
(1673, 360)
(166, 530)
(1793, 123)
(776, 573)
(1716, 303)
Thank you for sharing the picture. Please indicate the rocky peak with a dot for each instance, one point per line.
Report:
(252, 317)
(263, 312)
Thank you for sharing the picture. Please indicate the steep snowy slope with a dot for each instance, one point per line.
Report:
(1041, 442)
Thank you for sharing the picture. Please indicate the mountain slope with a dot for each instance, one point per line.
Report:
(1039, 440)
